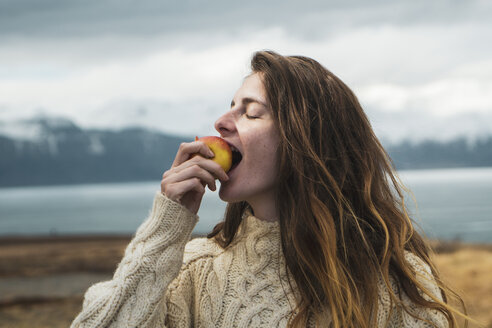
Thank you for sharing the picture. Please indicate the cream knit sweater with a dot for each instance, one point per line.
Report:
(165, 280)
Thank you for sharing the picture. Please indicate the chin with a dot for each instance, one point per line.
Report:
(223, 195)
(228, 196)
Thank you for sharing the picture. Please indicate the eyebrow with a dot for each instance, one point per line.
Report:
(248, 100)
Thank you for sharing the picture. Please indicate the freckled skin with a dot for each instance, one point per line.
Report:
(254, 179)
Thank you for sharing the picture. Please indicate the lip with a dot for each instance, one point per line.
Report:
(233, 145)
(231, 172)
(238, 150)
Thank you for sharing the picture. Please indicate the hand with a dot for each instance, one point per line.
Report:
(185, 181)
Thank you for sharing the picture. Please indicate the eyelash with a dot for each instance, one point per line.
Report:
(251, 117)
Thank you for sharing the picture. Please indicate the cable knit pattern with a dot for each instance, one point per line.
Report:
(164, 280)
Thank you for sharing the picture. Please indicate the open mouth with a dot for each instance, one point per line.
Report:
(236, 157)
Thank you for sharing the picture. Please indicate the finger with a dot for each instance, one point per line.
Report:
(198, 187)
(177, 190)
(207, 164)
(187, 149)
(190, 172)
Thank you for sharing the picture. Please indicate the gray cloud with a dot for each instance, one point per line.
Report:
(400, 43)
(78, 34)
(58, 18)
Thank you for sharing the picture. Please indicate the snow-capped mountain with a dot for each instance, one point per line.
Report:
(47, 150)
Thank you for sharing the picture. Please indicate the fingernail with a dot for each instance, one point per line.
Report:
(211, 153)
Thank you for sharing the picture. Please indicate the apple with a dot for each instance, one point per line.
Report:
(221, 149)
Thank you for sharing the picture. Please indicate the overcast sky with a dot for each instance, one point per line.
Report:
(421, 69)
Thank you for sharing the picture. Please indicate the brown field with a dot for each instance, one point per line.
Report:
(468, 270)
(42, 280)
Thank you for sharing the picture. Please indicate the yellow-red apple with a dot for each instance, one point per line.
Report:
(222, 151)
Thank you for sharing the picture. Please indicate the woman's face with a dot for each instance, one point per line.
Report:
(250, 128)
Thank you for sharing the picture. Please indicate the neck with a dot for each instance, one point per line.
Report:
(264, 208)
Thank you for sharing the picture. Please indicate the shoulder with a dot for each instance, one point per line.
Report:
(423, 274)
(417, 264)
(420, 268)
(407, 315)
(199, 248)
(197, 252)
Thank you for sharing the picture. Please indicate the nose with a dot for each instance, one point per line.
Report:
(225, 124)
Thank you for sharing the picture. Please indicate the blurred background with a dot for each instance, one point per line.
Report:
(96, 96)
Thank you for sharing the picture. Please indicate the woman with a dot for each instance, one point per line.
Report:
(315, 231)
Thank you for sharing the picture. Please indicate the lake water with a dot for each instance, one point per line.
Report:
(452, 204)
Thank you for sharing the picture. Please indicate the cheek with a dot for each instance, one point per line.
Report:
(264, 151)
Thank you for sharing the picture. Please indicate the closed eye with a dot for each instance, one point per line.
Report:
(251, 117)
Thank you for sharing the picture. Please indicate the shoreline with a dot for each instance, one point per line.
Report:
(416, 168)
(438, 245)
(47, 239)
(42, 239)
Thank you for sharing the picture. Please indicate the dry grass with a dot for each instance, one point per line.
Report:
(469, 272)
(42, 256)
(52, 313)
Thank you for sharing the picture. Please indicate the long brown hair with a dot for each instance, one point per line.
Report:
(342, 216)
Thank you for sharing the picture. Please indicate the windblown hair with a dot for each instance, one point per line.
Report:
(342, 216)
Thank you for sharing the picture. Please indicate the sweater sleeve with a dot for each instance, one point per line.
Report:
(152, 260)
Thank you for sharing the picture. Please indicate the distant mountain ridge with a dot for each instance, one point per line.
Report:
(46, 151)
(63, 153)
(433, 154)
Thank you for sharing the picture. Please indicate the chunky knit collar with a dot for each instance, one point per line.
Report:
(251, 224)
(261, 241)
